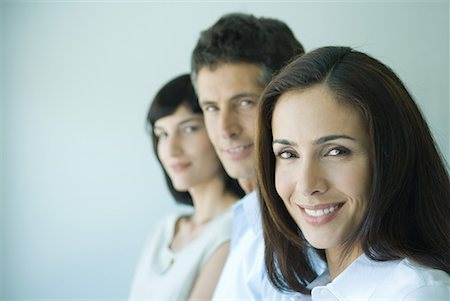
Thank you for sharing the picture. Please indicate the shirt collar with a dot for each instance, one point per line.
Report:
(358, 281)
(250, 205)
(247, 211)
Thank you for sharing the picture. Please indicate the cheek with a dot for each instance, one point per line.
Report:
(160, 151)
(356, 183)
(283, 184)
(211, 123)
(203, 148)
(250, 124)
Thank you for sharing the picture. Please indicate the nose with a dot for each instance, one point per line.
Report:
(311, 178)
(229, 124)
(173, 145)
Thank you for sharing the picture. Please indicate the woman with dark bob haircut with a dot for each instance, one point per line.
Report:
(347, 168)
(185, 255)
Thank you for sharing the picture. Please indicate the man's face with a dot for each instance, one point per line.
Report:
(228, 95)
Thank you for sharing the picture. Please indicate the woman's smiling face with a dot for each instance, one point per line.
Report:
(323, 164)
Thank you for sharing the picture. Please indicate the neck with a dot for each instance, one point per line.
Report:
(337, 262)
(209, 200)
(248, 185)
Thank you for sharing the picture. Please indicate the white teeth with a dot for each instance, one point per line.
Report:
(320, 212)
(236, 149)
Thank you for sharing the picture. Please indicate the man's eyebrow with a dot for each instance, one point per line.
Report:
(243, 95)
(204, 102)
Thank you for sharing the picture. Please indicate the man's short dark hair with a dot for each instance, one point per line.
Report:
(243, 38)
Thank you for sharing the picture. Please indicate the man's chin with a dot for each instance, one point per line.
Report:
(239, 173)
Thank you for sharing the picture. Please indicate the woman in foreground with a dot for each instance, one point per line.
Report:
(347, 165)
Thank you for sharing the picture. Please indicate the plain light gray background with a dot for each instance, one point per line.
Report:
(80, 188)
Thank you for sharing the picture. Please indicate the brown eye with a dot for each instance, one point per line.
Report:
(210, 108)
(190, 129)
(338, 151)
(285, 154)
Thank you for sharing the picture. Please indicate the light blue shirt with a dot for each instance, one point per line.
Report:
(244, 276)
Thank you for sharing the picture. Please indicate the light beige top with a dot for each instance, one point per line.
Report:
(163, 274)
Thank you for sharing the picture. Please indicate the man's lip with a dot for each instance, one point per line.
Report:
(236, 149)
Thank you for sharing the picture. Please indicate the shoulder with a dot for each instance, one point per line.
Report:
(162, 230)
(410, 280)
(167, 222)
(220, 227)
(420, 275)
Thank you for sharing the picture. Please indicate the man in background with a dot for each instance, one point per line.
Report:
(232, 63)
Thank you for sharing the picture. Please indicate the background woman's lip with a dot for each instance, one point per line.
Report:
(179, 166)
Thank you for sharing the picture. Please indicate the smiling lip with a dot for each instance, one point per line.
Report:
(320, 214)
(238, 152)
(177, 167)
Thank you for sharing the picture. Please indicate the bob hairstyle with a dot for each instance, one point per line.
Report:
(408, 207)
(172, 95)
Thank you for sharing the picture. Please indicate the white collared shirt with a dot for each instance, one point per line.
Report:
(369, 280)
(244, 276)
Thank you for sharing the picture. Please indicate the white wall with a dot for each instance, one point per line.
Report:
(1, 153)
(2, 127)
(81, 186)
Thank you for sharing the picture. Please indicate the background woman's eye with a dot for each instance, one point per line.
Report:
(190, 129)
(160, 135)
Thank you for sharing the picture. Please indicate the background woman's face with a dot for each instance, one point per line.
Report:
(323, 164)
(184, 149)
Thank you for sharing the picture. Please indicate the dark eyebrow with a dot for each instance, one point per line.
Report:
(194, 118)
(243, 95)
(234, 97)
(206, 102)
(321, 140)
(191, 119)
(324, 139)
(284, 142)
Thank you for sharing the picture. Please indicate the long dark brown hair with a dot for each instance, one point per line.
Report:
(408, 210)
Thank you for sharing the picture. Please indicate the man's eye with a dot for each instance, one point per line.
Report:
(210, 108)
(246, 102)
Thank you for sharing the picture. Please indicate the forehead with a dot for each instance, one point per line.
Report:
(181, 114)
(315, 112)
(227, 80)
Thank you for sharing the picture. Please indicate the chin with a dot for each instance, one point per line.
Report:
(181, 187)
(321, 243)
